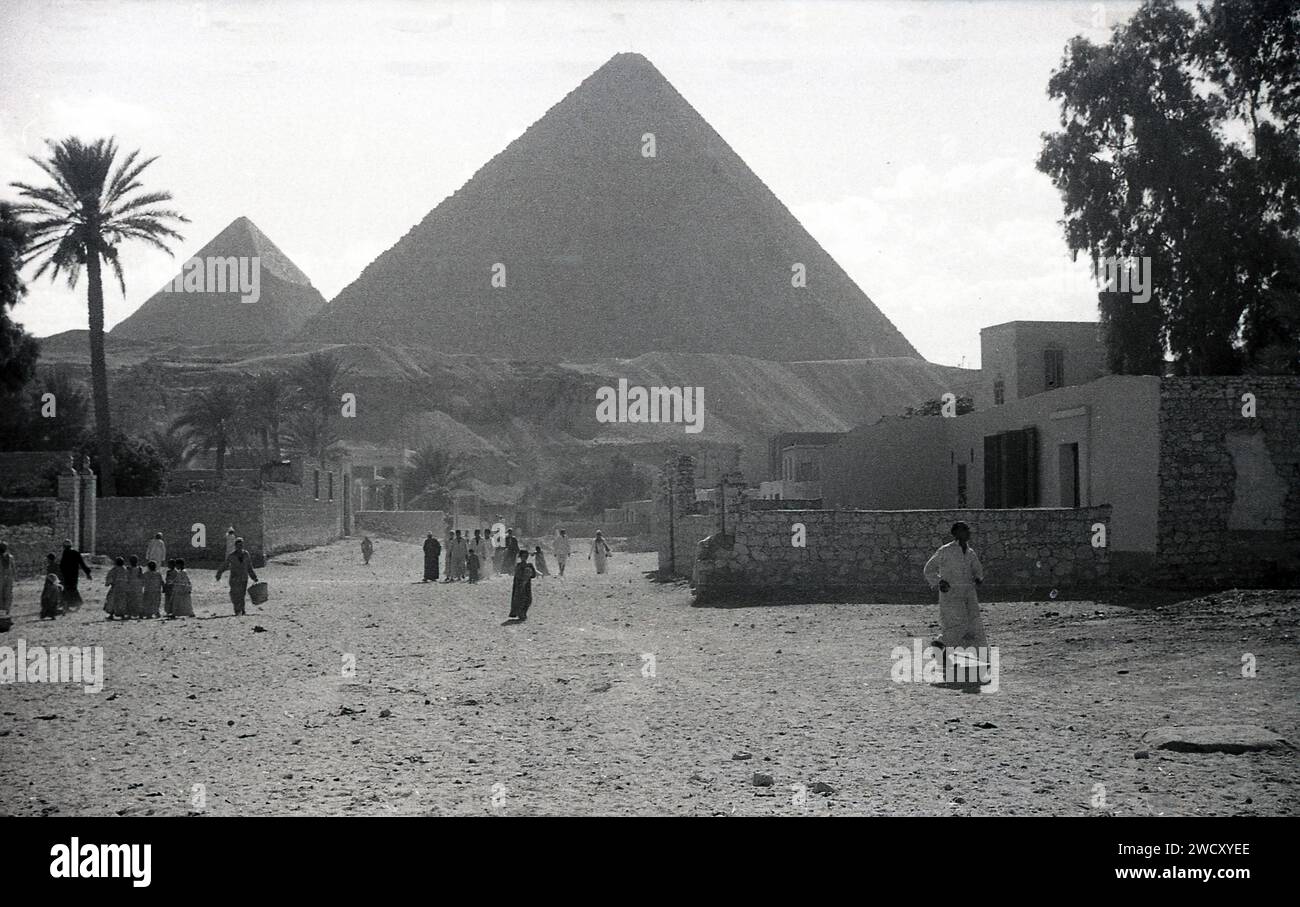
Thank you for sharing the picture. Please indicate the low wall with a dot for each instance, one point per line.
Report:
(861, 552)
(293, 521)
(125, 525)
(402, 524)
(29, 543)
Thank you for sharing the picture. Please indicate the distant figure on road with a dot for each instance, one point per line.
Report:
(71, 565)
(510, 557)
(539, 559)
(521, 592)
(115, 603)
(955, 571)
(8, 571)
(483, 549)
(367, 549)
(182, 588)
(472, 565)
(169, 587)
(52, 593)
(153, 587)
(456, 555)
(156, 550)
(432, 552)
(230, 541)
(134, 588)
(563, 549)
(599, 551)
(240, 566)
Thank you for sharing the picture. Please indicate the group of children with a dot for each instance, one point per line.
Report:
(136, 593)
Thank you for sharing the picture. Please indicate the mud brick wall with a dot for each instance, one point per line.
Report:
(686, 535)
(860, 552)
(1229, 509)
(293, 520)
(29, 543)
(127, 524)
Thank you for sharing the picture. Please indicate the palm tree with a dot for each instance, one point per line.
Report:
(79, 221)
(214, 420)
(433, 476)
(318, 380)
(269, 397)
(311, 432)
(18, 349)
(172, 445)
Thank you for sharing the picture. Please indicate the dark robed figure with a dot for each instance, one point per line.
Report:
(432, 552)
(70, 567)
(521, 595)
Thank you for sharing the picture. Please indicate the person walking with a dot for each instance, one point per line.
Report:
(156, 550)
(240, 566)
(955, 571)
(599, 552)
(367, 549)
(562, 550)
(521, 591)
(71, 566)
(432, 552)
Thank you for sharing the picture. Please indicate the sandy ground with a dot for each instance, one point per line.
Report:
(450, 712)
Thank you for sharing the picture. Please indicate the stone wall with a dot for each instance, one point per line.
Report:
(861, 553)
(292, 519)
(29, 543)
(127, 524)
(1229, 508)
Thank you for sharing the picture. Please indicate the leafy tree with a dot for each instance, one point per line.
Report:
(140, 469)
(621, 481)
(18, 349)
(90, 208)
(1150, 163)
(311, 432)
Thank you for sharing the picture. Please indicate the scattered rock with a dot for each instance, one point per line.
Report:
(1214, 738)
(466, 702)
(741, 757)
(602, 688)
(821, 787)
(385, 713)
(258, 628)
(986, 725)
(1141, 754)
(762, 780)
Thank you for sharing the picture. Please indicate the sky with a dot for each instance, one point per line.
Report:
(903, 135)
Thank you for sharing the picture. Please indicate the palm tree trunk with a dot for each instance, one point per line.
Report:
(99, 376)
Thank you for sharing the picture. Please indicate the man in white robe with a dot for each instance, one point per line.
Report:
(955, 571)
(156, 550)
(562, 550)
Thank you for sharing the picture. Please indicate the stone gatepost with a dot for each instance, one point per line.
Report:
(70, 498)
(89, 490)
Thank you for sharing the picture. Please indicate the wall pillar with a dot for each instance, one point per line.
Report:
(70, 496)
(89, 490)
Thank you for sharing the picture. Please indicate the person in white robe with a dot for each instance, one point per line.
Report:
(599, 551)
(955, 571)
(156, 550)
(562, 549)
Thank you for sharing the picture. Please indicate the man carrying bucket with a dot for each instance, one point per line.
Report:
(240, 566)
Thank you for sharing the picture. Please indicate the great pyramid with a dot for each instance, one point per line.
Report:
(285, 298)
(608, 251)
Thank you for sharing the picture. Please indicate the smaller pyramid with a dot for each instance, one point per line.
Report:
(238, 288)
